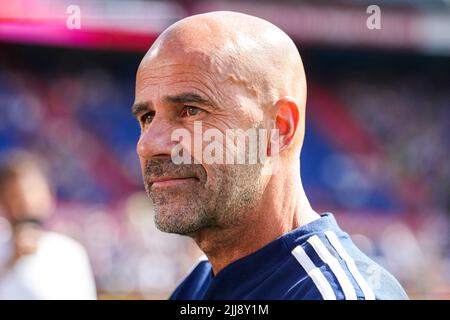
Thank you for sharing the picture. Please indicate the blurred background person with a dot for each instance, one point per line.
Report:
(35, 263)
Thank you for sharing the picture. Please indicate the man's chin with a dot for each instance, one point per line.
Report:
(178, 222)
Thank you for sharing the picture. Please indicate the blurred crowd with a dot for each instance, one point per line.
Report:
(409, 116)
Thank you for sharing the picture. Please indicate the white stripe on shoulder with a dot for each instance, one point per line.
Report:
(331, 261)
(314, 273)
(197, 263)
(337, 245)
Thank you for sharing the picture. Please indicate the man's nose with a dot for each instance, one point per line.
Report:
(155, 140)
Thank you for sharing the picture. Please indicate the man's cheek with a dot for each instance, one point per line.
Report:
(215, 174)
(143, 169)
(221, 121)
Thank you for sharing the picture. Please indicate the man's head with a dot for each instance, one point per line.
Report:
(229, 71)
(25, 193)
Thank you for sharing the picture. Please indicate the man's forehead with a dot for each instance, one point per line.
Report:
(160, 82)
(196, 73)
(179, 61)
(177, 82)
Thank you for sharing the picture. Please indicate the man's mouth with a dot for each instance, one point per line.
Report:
(166, 182)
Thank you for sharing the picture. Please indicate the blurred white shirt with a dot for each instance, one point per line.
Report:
(59, 270)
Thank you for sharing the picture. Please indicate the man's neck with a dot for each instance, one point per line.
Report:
(284, 208)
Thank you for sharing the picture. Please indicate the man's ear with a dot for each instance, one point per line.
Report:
(286, 120)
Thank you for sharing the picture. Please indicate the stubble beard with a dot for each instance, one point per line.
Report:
(222, 202)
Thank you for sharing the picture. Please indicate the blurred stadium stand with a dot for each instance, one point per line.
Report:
(376, 149)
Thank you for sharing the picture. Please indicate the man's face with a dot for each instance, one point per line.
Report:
(173, 93)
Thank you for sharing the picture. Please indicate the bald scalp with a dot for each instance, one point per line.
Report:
(238, 50)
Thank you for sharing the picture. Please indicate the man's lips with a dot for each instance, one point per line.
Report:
(171, 181)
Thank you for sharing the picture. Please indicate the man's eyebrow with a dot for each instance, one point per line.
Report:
(189, 97)
(139, 107)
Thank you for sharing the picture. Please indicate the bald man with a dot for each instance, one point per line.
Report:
(224, 71)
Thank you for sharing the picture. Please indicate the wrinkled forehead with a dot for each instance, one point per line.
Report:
(193, 72)
(166, 62)
(217, 74)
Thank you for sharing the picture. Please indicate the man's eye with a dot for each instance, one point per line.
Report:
(147, 118)
(189, 111)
